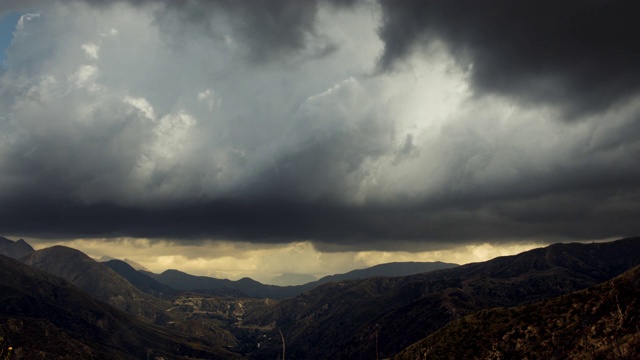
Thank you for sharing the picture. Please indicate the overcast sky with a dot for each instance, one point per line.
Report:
(334, 128)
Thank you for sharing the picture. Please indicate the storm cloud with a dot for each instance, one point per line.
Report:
(396, 125)
(581, 55)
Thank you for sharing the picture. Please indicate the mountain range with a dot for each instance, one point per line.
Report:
(380, 316)
(248, 287)
(596, 323)
(513, 306)
(44, 316)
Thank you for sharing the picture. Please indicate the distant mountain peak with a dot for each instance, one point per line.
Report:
(173, 271)
(105, 258)
(140, 279)
(15, 249)
(133, 264)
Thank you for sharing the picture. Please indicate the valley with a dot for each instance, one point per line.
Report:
(94, 308)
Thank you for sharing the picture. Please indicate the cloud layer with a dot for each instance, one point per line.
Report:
(353, 125)
(580, 55)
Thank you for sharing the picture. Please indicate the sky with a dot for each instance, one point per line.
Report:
(8, 22)
(257, 138)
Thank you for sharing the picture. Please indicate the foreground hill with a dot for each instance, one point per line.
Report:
(44, 316)
(597, 323)
(353, 318)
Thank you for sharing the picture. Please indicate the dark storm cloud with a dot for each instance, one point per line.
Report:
(269, 29)
(583, 55)
(579, 215)
(95, 142)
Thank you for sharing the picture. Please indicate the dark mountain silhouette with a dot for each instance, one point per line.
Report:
(140, 280)
(15, 249)
(44, 316)
(105, 284)
(388, 269)
(133, 264)
(600, 322)
(247, 287)
(351, 318)
(98, 280)
(244, 287)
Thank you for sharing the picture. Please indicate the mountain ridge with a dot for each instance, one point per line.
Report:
(348, 316)
(578, 325)
(251, 288)
(140, 280)
(97, 280)
(15, 249)
(393, 269)
(377, 316)
(45, 315)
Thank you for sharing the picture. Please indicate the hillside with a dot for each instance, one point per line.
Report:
(105, 284)
(597, 323)
(388, 269)
(140, 280)
(99, 281)
(376, 316)
(350, 317)
(44, 316)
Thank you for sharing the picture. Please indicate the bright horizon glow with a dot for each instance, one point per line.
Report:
(231, 260)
